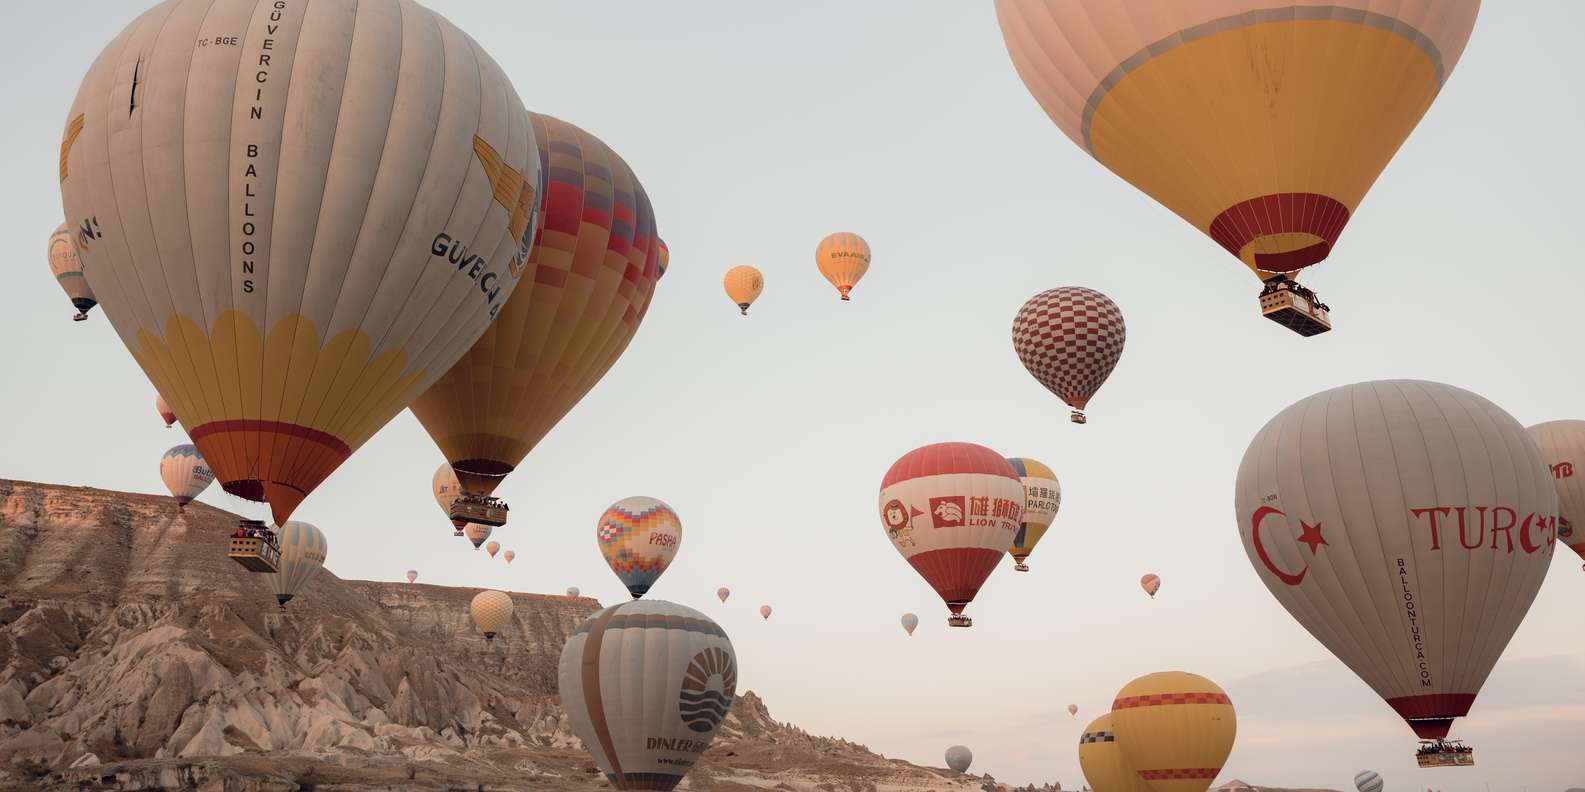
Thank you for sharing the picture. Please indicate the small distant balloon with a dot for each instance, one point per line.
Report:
(743, 284)
(184, 473)
(67, 268)
(722, 593)
(1368, 781)
(1151, 584)
(910, 622)
(477, 533)
(164, 410)
(492, 548)
(1073, 709)
(572, 591)
(412, 575)
(843, 258)
(490, 611)
(509, 555)
(764, 611)
(959, 757)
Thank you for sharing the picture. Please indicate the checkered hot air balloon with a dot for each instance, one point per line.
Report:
(638, 537)
(1103, 762)
(1070, 339)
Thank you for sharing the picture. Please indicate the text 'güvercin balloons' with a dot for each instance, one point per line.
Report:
(1070, 338)
(1042, 499)
(1562, 446)
(646, 685)
(1261, 124)
(639, 536)
(292, 267)
(951, 510)
(1408, 526)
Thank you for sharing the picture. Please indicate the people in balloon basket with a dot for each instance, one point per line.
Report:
(249, 532)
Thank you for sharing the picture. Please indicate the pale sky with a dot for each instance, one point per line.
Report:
(757, 129)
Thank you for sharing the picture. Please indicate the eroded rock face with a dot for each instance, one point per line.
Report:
(134, 655)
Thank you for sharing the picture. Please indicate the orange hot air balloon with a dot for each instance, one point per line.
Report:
(293, 262)
(843, 258)
(1175, 729)
(743, 284)
(586, 287)
(1070, 338)
(1151, 584)
(165, 411)
(67, 268)
(951, 510)
(764, 611)
(1262, 124)
(492, 548)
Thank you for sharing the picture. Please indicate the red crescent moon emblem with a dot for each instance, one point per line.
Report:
(1260, 550)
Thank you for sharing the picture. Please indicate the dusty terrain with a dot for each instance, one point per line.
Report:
(134, 655)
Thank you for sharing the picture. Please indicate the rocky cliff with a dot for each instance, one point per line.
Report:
(134, 655)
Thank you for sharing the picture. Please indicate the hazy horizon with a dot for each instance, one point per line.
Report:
(756, 130)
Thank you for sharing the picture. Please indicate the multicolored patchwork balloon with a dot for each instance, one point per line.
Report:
(639, 536)
(1070, 338)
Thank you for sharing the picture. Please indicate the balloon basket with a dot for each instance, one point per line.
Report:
(1293, 306)
(82, 317)
(256, 550)
(1020, 567)
(959, 620)
(1078, 417)
(481, 509)
(1444, 753)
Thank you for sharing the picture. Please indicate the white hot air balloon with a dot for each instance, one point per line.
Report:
(910, 621)
(184, 473)
(959, 757)
(1368, 781)
(491, 609)
(303, 551)
(572, 591)
(1563, 449)
(1408, 526)
(412, 575)
(646, 684)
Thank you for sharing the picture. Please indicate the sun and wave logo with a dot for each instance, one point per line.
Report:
(707, 690)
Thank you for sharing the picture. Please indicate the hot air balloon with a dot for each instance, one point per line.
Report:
(1042, 499)
(492, 548)
(646, 684)
(1103, 762)
(68, 271)
(447, 490)
(477, 533)
(1310, 104)
(592, 273)
(1070, 338)
(1561, 443)
(292, 267)
(743, 284)
(165, 412)
(665, 258)
(1357, 507)
(959, 758)
(638, 537)
(1368, 781)
(722, 593)
(952, 509)
(909, 622)
(303, 551)
(1175, 728)
(412, 575)
(1151, 584)
(490, 611)
(572, 591)
(184, 473)
(509, 555)
(1073, 709)
(764, 611)
(843, 258)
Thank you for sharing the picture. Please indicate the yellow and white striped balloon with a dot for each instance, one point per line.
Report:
(303, 551)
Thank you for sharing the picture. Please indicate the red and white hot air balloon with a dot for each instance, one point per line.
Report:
(1151, 584)
(412, 575)
(1070, 339)
(164, 410)
(1408, 526)
(951, 509)
(1562, 446)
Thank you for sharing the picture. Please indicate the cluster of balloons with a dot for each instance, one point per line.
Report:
(842, 258)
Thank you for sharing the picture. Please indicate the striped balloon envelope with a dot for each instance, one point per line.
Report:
(586, 287)
(67, 267)
(183, 470)
(951, 510)
(1175, 729)
(1563, 449)
(303, 551)
(639, 536)
(490, 610)
(843, 258)
(1368, 781)
(646, 684)
(1261, 123)
(1103, 762)
(1070, 338)
(1042, 499)
(1408, 526)
(293, 262)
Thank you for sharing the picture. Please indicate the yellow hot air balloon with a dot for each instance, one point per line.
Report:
(1103, 762)
(588, 283)
(67, 268)
(843, 258)
(1175, 729)
(490, 610)
(292, 263)
(1042, 499)
(303, 551)
(743, 284)
(1262, 124)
